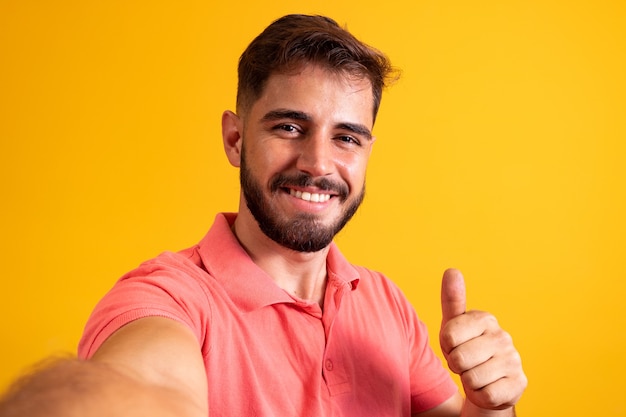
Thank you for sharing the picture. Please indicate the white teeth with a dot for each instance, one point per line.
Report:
(306, 196)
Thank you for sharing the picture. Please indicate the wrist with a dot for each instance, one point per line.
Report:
(472, 410)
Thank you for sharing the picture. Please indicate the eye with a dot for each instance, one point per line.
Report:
(287, 129)
(347, 139)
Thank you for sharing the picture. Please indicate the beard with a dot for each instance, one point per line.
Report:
(305, 232)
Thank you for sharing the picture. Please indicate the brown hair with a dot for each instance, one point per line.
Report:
(294, 40)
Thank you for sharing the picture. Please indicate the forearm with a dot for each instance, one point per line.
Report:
(72, 388)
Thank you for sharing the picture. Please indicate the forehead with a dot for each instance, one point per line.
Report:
(318, 91)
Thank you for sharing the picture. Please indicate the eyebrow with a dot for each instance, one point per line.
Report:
(356, 128)
(285, 114)
(279, 114)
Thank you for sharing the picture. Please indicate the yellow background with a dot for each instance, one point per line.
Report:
(500, 152)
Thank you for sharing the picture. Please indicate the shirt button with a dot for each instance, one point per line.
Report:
(329, 365)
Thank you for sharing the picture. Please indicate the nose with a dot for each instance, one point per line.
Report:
(315, 157)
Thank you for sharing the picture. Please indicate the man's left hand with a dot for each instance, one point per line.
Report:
(478, 350)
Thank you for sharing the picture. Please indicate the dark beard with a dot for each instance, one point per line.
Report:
(305, 233)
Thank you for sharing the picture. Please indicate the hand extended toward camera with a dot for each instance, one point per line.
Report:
(478, 350)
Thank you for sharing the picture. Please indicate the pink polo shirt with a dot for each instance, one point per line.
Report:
(269, 354)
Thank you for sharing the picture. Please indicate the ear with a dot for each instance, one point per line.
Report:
(232, 129)
(372, 141)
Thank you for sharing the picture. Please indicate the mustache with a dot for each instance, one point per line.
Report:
(305, 180)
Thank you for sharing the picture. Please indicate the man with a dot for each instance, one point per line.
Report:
(265, 317)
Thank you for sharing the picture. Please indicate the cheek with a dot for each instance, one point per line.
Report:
(353, 169)
(269, 160)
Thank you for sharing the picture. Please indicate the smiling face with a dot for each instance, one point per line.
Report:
(303, 154)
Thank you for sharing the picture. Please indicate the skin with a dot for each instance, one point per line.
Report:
(319, 123)
(69, 387)
(314, 122)
(481, 352)
(171, 360)
(474, 345)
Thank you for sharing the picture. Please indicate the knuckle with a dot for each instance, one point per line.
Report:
(456, 361)
(515, 359)
(447, 340)
(491, 397)
(505, 338)
(470, 380)
(491, 320)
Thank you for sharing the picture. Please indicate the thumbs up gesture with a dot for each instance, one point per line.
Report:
(478, 350)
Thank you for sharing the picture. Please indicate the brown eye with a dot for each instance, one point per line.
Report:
(348, 139)
(288, 128)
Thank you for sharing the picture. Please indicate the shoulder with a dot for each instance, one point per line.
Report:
(361, 277)
(374, 283)
(170, 286)
(375, 290)
(184, 262)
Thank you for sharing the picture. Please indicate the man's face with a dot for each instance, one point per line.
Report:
(306, 143)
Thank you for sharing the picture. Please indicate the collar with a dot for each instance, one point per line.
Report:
(248, 285)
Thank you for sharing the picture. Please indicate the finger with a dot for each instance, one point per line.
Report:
(470, 354)
(467, 327)
(500, 394)
(452, 295)
(491, 370)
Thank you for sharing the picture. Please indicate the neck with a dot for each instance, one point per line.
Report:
(301, 274)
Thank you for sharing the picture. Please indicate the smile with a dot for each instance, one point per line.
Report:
(313, 197)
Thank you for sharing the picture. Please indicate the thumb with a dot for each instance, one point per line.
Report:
(452, 295)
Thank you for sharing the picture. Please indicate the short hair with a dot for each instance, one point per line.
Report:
(295, 40)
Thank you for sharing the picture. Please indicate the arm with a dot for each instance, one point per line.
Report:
(111, 384)
(450, 408)
(152, 366)
(456, 406)
(160, 353)
(69, 387)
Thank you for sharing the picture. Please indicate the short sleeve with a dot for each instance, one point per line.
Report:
(431, 383)
(168, 286)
